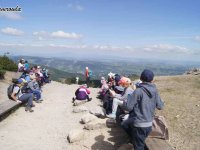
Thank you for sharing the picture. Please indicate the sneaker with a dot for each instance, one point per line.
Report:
(112, 115)
(28, 108)
(89, 99)
(38, 101)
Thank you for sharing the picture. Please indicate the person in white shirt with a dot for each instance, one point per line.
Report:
(20, 97)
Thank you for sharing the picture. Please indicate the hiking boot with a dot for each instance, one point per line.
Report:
(89, 99)
(38, 101)
(112, 115)
(33, 105)
(28, 108)
(73, 100)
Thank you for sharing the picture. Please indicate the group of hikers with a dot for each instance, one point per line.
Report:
(132, 105)
(28, 87)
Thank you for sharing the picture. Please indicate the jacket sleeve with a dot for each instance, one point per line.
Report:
(131, 101)
(159, 102)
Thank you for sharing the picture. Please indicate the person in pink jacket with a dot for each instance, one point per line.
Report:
(82, 93)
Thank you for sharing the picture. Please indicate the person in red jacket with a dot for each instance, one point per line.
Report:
(87, 76)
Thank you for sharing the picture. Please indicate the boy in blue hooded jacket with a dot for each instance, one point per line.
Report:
(141, 105)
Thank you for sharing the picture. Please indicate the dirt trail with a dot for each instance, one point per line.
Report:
(48, 126)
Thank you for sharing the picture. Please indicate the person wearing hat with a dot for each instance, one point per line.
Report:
(142, 104)
(119, 99)
(20, 97)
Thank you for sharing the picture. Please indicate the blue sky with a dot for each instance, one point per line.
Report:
(158, 29)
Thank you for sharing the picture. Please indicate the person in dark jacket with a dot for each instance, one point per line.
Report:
(141, 105)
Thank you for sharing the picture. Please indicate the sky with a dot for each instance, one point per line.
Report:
(121, 29)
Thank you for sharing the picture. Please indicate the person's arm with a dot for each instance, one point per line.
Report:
(159, 102)
(131, 101)
(13, 95)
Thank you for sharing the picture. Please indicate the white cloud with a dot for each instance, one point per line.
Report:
(12, 31)
(62, 34)
(77, 7)
(58, 34)
(41, 35)
(197, 38)
(166, 48)
(11, 44)
(11, 15)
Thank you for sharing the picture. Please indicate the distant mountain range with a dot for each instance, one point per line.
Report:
(69, 68)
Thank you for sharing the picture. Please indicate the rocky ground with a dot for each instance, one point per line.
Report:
(55, 118)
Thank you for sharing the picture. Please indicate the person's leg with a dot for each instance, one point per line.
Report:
(38, 94)
(126, 125)
(89, 99)
(139, 136)
(115, 104)
(28, 97)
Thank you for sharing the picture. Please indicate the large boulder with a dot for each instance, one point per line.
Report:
(88, 118)
(75, 135)
(80, 109)
(97, 124)
(98, 111)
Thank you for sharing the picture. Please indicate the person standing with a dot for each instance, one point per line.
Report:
(141, 105)
(87, 76)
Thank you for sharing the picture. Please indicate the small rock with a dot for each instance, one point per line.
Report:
(80, 109)
(197, 105)
(177, 116)
(75, 135)
(126, 147)
(77, 102)
(88, 118)
(98, 124)
(111, 123)
(98, 111)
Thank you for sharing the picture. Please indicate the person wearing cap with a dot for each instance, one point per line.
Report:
(119, 99)
(142, 104)
(20, 97)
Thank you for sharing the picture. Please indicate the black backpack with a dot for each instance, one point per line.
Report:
(10, 91)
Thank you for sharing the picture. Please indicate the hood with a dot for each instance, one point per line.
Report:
(148, 88)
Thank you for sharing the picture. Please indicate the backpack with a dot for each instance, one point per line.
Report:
(10, 91)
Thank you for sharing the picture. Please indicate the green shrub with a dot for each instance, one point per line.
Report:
(2, 73)
(7, 64)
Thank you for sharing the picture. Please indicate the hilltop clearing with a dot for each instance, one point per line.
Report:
(49, 125)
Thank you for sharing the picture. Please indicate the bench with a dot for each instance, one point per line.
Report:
(6, 107)
(157, 144)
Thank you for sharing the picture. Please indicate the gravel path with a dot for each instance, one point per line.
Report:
(45, 128)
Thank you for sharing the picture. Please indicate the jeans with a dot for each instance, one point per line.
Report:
(37, 94)
(139, 135)
(28, 97)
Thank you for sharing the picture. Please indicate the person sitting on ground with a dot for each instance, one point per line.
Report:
(20, 97)
(119, 99)
(34, 88)
(82, 93)
(141, 104)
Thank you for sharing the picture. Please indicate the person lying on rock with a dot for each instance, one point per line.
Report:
(82, 93)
